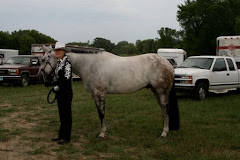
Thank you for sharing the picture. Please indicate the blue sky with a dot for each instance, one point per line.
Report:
(84, 20)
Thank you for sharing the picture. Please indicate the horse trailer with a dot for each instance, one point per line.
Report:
(6, 53)
(229, 46)
(177, 55)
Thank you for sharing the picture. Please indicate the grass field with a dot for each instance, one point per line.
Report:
(210, 129)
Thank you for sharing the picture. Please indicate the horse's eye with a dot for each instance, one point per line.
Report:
(43, 60)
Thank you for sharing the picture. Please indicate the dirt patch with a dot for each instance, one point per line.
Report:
(20, 143)
(28, 138)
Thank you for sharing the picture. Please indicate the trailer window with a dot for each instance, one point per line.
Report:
(230, 64)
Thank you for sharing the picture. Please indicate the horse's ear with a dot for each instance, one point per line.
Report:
(45, 49)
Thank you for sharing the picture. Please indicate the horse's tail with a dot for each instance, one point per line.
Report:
(173, 112)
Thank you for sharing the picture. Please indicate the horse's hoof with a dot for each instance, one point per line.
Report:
(164, 134)
(103, 137)
(100, 137)
(161, 137)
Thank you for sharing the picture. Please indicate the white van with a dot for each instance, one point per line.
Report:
(177, 55)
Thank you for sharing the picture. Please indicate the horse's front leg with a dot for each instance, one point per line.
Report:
(99, 99)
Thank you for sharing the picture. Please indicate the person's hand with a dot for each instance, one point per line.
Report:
(56, 88)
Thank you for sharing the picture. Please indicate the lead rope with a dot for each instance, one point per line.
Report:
(48, 96)
(52, 90)
(49, 93)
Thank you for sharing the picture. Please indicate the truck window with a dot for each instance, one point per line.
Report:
(14, 60)
(26, 61)
(203, 63)
(230, 64)
(238, 65)
(220, 65)
(1, 58)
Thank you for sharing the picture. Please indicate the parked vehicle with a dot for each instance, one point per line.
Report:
(174, 56)
(229, 46)
(6, 53)
(203, 74)
(20, 69)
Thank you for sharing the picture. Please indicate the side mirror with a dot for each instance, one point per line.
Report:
(34, 62)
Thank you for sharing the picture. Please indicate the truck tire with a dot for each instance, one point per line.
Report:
(201, 90)
(24, 80)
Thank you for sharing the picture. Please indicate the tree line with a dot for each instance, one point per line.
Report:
(205, 20)
(23, 39)
(202, 21)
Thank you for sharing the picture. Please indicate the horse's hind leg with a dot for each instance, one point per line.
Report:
(99, 99)
(162, 99)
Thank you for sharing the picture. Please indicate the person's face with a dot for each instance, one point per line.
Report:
(59, 53)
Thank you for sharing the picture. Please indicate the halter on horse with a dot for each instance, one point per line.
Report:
(105, 73)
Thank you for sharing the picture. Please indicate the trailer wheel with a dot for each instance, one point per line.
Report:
(24, 80)
(201, 90)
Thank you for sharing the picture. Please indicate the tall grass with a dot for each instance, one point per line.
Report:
(209, 128)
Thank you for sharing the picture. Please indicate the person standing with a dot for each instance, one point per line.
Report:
(64, 93)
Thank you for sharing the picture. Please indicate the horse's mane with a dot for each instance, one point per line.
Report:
(86, 51)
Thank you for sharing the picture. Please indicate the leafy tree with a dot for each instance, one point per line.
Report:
(204, 20)
(237, 26)
(22, 40)
(147, 46)
(103, 43)
(170, 38)
(125, 48)
(80, 43)
(4, 40)
(25, 42)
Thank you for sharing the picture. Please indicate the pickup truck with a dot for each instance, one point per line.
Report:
(20, 69)
(203, 74)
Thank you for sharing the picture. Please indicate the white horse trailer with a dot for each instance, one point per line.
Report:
(229, 46)
(178, 55)
(6, 53)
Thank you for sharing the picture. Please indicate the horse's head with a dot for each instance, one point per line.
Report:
(49, 63)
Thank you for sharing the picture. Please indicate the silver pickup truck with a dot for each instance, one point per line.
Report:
(203, 74)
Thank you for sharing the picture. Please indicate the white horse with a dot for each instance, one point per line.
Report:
(105, 73)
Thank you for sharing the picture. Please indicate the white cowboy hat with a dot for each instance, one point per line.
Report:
(61, 46)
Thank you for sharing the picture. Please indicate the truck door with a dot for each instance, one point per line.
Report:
(35, 64)
(233, 74)
(220, 76)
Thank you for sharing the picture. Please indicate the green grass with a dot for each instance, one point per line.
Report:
(209, 128)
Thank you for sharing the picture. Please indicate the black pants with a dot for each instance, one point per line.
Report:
(65, 113)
